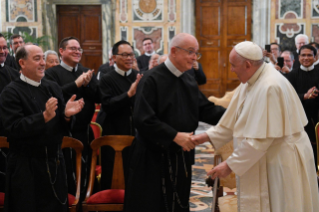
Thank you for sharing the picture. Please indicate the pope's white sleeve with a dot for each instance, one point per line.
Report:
(247, 154)
(219, 136)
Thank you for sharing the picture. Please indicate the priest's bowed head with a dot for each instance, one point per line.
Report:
(245, 59)
(266, 120)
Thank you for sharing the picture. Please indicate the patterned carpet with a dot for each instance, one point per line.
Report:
(201, 195)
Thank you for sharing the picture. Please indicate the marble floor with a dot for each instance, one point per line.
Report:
(201, 195)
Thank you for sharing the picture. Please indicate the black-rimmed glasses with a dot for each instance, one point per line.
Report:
(74, 49)
(125, 55)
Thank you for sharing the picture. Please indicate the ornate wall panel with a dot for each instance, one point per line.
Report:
(21, 10)
(157, 19)
(288, 18)
(155, 33)
(19, 16)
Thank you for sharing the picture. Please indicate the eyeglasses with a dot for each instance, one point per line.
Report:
(145, 44)
(191, 53)
(125, 55)
(74, 49)
(4, 48)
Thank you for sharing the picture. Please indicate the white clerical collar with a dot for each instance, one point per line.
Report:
(172, 68)
(310, 68)
(147, 54)
(256, 75)
(2, 64)
(30, 81)
(69, 68)
(316, 63)
(297, 51)
(121, 72)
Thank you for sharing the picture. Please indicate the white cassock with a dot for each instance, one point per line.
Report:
(273, 157)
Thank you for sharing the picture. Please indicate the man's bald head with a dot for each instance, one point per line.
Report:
(183, 51)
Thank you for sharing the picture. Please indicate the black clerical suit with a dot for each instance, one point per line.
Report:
(10, 61)
(143, 62)
(199, 74)
(164, 105)
(118, 120)
(7, 74)
(36, 178)
(80, 130)
(296, 62)
(302, 81)
(103, 69)
(102, 115)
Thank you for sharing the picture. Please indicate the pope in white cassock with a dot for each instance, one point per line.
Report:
(273, 158)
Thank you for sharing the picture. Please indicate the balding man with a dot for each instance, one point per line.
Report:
(288, 62)
(167, 109)
(36, 119)
(273, 158)
(300, 40)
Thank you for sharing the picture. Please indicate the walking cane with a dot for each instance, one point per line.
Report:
(214, 184)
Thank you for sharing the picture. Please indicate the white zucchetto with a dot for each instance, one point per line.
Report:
(249, 50)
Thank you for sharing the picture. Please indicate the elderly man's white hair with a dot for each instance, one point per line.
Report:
(302, 36)
(48, 52)
(178, 40)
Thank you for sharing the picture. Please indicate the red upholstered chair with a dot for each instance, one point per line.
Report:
(110, 199)
(3, 144)
(97, 106)
(77, 145)
(97, 110)
(317, 139)
(97, 129)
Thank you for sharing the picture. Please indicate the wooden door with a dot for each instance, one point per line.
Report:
(220, 25)
(83, 22)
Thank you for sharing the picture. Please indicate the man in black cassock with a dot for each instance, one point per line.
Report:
(7, 74)
(143, 60)
(36, 119)
(305, 80)
(168, 106)
(15, 42)
(197, 72)
(105, 68)
(76, 79)
(118, 89)
(300, 40)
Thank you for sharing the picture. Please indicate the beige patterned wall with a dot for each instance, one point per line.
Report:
(292, 17)
(18, 16)
(157, 19)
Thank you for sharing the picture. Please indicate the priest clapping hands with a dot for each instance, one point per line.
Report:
(132, 91)
(73, 107)
(50, 106)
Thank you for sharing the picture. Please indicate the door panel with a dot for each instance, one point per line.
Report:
(210, 17)
(220, 25)
(236, 24)
(84, 23)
